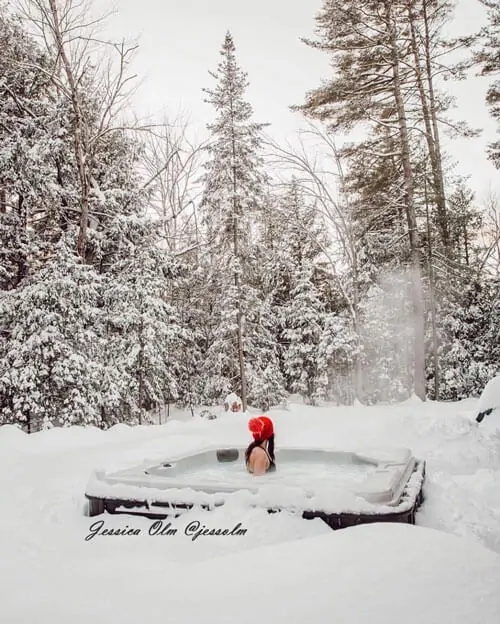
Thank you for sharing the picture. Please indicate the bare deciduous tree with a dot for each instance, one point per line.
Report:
(93, 74)
(490, 237)
(325, 185)
(174, 162)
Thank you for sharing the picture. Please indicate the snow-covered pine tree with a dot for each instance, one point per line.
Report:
(458, 290)
(266, 384)
(189, 293)
(142, 327)
(190, 352)
(50, 370)
(35, 190)
(293, 240)
(370, 88)
(465, 352)
(303, 330)
(337, 355)
(384, 266)
(488, 58)
(234, 184)
(42, 199)
(492, 338)
(116, 192)
(385, 57)
(92, 94)
(464, 223)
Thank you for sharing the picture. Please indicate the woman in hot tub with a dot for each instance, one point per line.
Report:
(259, 456)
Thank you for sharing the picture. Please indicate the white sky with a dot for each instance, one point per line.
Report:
(180, 42)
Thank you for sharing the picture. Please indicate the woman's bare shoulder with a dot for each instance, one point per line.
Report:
(259, 452)
(259, 461)
(259, 456)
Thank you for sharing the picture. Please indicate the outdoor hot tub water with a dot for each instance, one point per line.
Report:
(341, 487)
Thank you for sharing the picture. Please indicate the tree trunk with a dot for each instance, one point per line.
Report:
(466, 244)
(416, 277)
(78, 131)
(140, 398)
(431, 130)
(22, 261)
(358, 368)
(354, 305)
(141, 390)
(432, 290)
(433, 115)
(241, 358)
(237, 282)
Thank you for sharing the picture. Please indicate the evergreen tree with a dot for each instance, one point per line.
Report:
(233, 196)
(465, 221)
(489, 59)
(266, 385)
(189, 292)
(337, 354)
(142, 325)
(492, 338)
(50, 370)
(34, 201)
(293, 240)
(302, 333)
(466, 349)
(385, 57)
(449, 290)
(369, 52)
(79, 343)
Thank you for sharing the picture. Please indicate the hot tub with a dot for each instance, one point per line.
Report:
(343, 488)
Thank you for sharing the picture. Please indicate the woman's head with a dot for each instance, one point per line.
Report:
(261, 428)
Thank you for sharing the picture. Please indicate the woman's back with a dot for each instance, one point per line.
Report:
(260, 461)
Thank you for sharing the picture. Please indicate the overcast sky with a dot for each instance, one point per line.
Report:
(180, 42)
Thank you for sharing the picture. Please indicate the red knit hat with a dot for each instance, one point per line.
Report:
(261, 427)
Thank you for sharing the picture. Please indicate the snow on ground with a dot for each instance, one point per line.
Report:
(490, 396)
(296, 569)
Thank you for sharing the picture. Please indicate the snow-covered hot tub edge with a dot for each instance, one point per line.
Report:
(338, 508)
(288, 498)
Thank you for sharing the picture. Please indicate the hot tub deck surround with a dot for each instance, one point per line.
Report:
(342, 488)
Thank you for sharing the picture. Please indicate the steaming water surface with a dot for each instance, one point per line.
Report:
(305, 473)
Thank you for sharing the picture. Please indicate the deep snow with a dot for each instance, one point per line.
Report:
(490, 396)
(294, 569)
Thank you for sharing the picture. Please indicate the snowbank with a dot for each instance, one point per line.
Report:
(374, 573)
